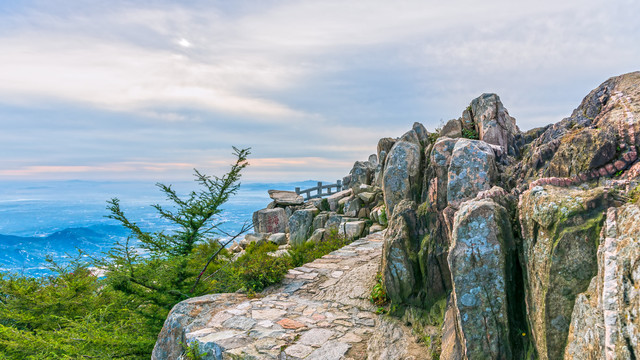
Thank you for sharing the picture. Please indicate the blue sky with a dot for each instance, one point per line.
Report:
(151, 89)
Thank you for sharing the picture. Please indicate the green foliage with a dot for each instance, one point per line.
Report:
(192, 351)
(470, 134)
(310, 251)
(423, 209)
(382, 218)
(257, 269)
(75, 314)
(378, 295)
(634, 195)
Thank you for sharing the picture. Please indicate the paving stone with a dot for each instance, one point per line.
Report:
(219, 318)
(350, 338)
(291, 324)
(239, 322)
(267, 314)
(315, 337)
(298, 350)
(331, 350)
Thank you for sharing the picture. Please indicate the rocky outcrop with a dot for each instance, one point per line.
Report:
(605, 322)
(500, 244)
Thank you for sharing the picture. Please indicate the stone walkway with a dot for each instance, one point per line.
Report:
(320, 311)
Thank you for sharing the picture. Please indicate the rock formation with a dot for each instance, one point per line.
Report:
(502, 244)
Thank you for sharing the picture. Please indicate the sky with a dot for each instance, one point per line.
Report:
(149, 90)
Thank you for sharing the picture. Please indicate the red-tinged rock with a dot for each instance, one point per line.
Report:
(583, 177)
(619, 165)
(603, 172)
(610, 169)
(291, 324)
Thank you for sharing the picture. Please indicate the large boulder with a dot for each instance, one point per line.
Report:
(285, 198)
(270, 221)
(361, 173)
(335, 198)
(452, 129)
(494, 124)
(401, 274)
(605, 322)
(401, 179)
(560, 231)
(478, 259)
(301, 226)
(472, 169)
(437, 175)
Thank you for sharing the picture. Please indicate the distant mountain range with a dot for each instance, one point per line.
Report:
(27, 254)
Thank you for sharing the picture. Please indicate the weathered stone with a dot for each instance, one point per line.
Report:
(583, 150)
(278, 238)
(399, 270)
(316, 337)
(320, 220)
(361, 173)
(267, 314)
(605, 322)
(375, 228)
(384, 145)
(560, 230)
(472, 170)
(330, 351)
(367, 197)
(298, 350)
(239, 322)
(257, 238)
(352, 206)
(301, 225)
(401, 178)
(287, 323)
(482, 241)
(354, 229)
(452, 129)
(494, 124)
(317, 236)
(285, 198)
(270, 220)
(335, 198)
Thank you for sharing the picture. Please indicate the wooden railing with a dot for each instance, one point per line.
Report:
(319, 190)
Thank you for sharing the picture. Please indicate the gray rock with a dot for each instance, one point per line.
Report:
(278, 238)
(331, 350)
(494, 124)
(482, 241)
(335, 198)
(321, 219)
(452, 129)
(316, 337)
(354, 229)
(367, 197)
(257, 238)
(270, 220)
(300, 226)
(401, 174)
(472, 170)
(352, 206)
(239, 323)
(285, 198)
(317, 236)
(361, 173)
(298, 351)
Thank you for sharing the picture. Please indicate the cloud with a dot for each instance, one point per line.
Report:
(305, 83)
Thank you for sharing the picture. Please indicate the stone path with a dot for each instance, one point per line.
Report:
(320, 311)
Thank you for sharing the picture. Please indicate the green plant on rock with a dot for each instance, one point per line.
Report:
(382, 218)
(378, 295)
(192, 351)
(470, 134)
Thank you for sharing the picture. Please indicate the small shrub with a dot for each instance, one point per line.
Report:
(310, 251)
(382, 218)
(378, 295)
(192, 351)
(470, 134)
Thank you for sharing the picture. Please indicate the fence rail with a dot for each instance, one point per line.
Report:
(318, 190)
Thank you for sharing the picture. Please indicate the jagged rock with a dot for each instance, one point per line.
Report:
(583, 150)
(605, 322)
(452, 129)
(367, 197)
(494, 124)
(334, 199)
(440, 159)
(301, 225)
(375, 228)
(560, 230)
(400, 241)
(278, 238)
(384, 145)
(482, 243)
(421, 132)
(352, 206)
(321, 219)
(333, 222)
(270, 220)
(472, 170)
(361, 173)
(402, 174)
(285, 198)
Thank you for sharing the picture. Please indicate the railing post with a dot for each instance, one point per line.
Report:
(297, 190)
(319, 188)
(339, 187)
